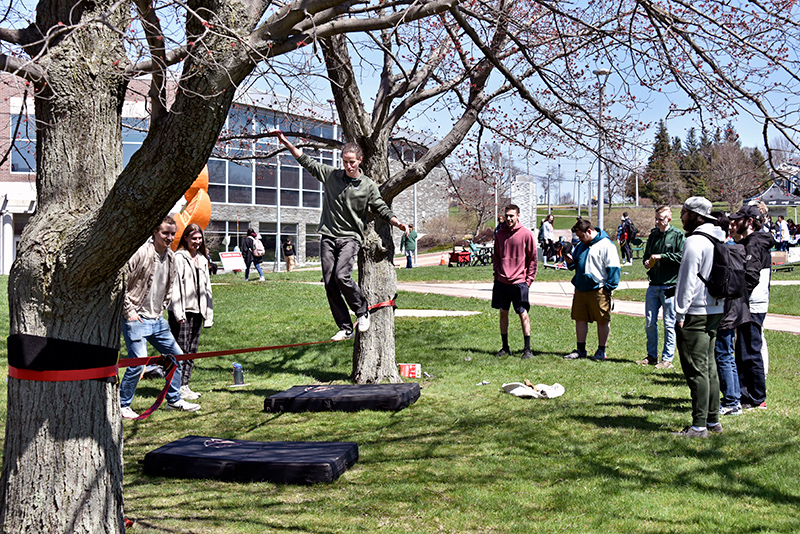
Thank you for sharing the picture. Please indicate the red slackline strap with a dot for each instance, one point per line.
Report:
(161, 396)
(63, 376)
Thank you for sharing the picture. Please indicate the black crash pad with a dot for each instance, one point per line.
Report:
(282, 462)
(343, 398)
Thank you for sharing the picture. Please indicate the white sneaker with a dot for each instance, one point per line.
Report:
(128, 413)
(342, 335)
(182, 406)
(261, 279)
(363, 322)
(188, 394)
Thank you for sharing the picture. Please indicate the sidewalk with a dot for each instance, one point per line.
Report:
(559, 295)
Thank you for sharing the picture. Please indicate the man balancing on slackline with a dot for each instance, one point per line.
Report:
(346, 199)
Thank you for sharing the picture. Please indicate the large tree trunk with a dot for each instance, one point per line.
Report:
(374, 351)
(62, 467)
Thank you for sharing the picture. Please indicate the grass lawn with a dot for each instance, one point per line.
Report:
(466, 458)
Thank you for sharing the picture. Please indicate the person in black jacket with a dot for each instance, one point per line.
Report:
(746, 229)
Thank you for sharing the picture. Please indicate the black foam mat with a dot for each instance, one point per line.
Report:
(343, 398)
(282, 462)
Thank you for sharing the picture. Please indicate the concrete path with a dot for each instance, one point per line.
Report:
(559, 295)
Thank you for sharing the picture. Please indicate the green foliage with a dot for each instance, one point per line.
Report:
(468, 458)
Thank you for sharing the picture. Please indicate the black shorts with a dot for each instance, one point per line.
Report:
(505, 294)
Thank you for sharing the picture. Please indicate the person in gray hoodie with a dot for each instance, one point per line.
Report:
(697, 316)
(758, 270)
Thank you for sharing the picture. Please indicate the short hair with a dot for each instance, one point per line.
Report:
(187, 232)
(756, 224)
(722, 221)
(166, 220)
(582, 225)
(511, 207)
(624, 213)
(663, 208)
(353, 148)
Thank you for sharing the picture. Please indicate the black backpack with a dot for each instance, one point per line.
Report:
(632, 231)
(726, 279)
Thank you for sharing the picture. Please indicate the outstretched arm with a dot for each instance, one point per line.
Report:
(282, 138)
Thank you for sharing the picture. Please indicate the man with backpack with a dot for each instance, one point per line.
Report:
(662, 259)
(697, 315)
(626, 232)
(746, 230)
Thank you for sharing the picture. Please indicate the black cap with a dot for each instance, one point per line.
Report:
(750, 212)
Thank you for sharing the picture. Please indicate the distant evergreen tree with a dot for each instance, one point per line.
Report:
(694, 166)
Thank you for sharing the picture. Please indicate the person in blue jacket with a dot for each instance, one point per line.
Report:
(596, 265)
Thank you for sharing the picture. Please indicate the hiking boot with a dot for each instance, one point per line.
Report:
(690, 432)
(714, 428)
(128, 413)
(731, 410)
(182, 406)
(664, 364)
(599, 355)
(648, 361)
(363, 323)
(188, 394)
(575, 354)
(502, 353)
(527, 354)
(342, 335)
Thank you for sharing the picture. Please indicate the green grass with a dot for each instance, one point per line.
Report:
(467, 458)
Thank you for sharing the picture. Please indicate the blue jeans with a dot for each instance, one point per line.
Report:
(409, 258)
(137, 334)
(655, 299)
(726, 367)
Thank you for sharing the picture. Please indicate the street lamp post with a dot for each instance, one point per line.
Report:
(602, 78)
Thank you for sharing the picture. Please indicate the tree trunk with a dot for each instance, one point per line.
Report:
(374, 351)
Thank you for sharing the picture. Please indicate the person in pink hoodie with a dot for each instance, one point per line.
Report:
(514, 263)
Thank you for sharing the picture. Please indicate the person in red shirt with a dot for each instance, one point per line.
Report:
(514, 263)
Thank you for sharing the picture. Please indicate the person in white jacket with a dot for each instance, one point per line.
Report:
(697, 315)
(192, 306)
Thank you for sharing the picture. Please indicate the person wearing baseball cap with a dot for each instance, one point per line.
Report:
(697, 315)
(746, 229)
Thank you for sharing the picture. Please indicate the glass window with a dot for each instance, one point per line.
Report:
(266, 197)
(287, 160)
(290, 178)
(266, 175)
(23, 157)
(216, 171)
(239, 173)
(216, 193)
(311, 200)
(312, 243)
(290, 198)
(309, 182)
(239, 195)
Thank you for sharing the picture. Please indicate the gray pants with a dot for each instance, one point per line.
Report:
(337, 255)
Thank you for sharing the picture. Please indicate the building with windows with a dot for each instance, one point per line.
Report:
(251, 183)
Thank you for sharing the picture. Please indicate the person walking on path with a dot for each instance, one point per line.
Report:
(253, 254)
(348, 195)
(662, 259)
(745, 229)
(514, 264)
(289, 254)
(697, 316)
(596, 265)
(151, 275)
(192, 307)
(409, 243)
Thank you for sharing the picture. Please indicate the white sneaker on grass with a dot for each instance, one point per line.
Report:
(188, 394)
(128, 413)
(182, 406)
